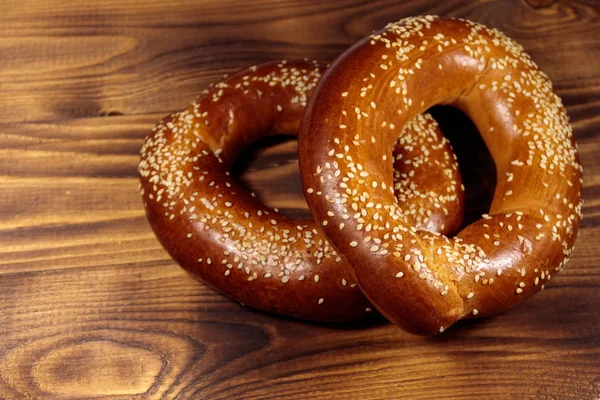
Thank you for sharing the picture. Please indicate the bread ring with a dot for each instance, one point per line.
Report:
(214, 228)
(422, 281)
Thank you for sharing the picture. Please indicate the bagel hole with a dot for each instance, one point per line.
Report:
(269, 168)
(476, 165)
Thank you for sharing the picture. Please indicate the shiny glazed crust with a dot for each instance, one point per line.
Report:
(423, 281)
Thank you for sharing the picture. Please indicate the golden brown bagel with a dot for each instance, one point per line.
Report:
(423, 281)
(214, 228)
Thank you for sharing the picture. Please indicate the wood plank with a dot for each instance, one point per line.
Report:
(186, 55)
(91, 307)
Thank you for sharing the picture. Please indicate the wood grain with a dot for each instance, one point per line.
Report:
(92, 307)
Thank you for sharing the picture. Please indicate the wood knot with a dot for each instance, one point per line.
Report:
(98, 368)
(540, 3)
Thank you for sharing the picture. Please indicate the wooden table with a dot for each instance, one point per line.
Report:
(93, 307)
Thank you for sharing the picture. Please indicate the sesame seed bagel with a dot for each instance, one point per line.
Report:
(421, 280)
(218, 231)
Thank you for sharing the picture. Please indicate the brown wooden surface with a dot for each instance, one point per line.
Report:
(92, 307)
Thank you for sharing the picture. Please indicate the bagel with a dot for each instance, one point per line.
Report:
(421, 280)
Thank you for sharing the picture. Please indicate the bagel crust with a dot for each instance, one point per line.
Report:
(421, 280)
(218, 231)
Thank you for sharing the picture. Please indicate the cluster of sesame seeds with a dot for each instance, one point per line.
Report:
(287, 75)
(507, 246)
(542, 127)
(301, 80)
(422, 148)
